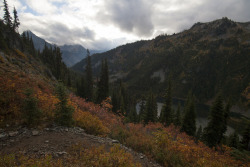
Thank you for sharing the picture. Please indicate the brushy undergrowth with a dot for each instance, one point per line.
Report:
(78, 156)
(166, 145)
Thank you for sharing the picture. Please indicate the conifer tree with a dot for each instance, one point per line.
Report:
(215, 129)
(199, 133)
(226, 117)
(63, 112)
(142, 110)
(103, 85)
(246, 138)
(32, 112)
(89, 78)
(167, 116)
(7, 18)
(151, 109)
(189, 119)
(233, 140)
(16, 22)
(177, 121)
(132, 116)
(122, 107)
(115, 102)
(120, 100)
(81, 88)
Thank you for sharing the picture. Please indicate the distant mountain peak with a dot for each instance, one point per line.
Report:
(71, 53)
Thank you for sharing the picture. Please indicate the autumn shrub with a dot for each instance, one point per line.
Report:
(103, 111)
(91, 124)
(21, 54)
(7, 160)
(1, 59)
(139, 138)
(20, 160)
(10, 98)
(47, 103)
(77, 156)
(120, 133)
(115, 157)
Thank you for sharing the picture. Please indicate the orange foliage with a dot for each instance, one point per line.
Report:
(12, 90)
(108, 118)
(47, 103)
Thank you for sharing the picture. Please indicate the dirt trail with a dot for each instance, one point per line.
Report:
(56, 141)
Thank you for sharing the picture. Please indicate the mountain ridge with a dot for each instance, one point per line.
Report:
(71, 53)
(205, 58)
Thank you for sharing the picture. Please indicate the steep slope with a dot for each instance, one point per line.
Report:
(207, 58)
(39, 43)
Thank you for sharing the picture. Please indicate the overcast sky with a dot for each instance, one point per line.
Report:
(105, 24)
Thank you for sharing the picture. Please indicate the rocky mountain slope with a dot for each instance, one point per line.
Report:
(207, 58)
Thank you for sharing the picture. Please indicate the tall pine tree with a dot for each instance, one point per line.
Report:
(142, 110)
(89, 78)
(63, 111)
(246, 138)
(177, 119)
(189, 119)
(103, 85)
(16, 22)
(213, 133)
(167, 116)
(7, 18)
(151, 109)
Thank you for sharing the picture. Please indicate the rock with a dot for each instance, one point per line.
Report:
(23, 130)
(1, 130)
(61, 153)
(13, 134)
(47, 141)
(115, 141)
(47, 129)
(3, 135)
(35, 132)
(7, 125)
(141, 156)
(66, 129)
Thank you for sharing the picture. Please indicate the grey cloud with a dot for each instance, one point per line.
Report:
(64, 34)
(60, 33)
(105, 44)
(129, 15)
(204, 11)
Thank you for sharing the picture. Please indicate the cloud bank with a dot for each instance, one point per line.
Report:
(104, 24)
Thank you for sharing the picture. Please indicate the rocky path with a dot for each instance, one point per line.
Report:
(56, 141)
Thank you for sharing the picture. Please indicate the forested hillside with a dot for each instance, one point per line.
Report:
(207, 58)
